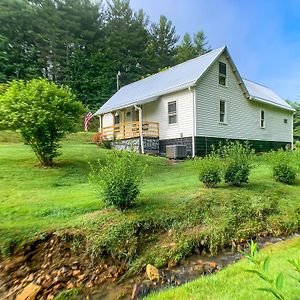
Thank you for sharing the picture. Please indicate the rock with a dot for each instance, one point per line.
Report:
(152, 273)
(171, 263)
(76, 273)
(140, 290)
(64, 270)
(210, 267)
(30, 292)
(89, 284)
(70, 285)
(50, 297)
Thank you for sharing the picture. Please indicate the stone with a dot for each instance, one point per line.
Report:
(140, 290)
(89, 284)
(210, 267)
(152, 273)
(30, 292)
(70, 285)
(50, 297)
(171, 263)
(76, 273)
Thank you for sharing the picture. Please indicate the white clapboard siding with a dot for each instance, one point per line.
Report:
(243, 115)
(157, 111)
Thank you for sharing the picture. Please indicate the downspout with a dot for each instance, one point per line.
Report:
(192, 89)
(140, 127)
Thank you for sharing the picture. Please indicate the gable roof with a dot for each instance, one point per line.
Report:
(173, 79)
(264, 94)
(177, 78)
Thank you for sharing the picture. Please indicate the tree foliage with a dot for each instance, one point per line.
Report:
(84, 44)
(43, 112)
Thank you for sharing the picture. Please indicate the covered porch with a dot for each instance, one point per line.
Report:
(127, 126)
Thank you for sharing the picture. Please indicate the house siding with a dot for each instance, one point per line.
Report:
(243, 115)
(157, 111)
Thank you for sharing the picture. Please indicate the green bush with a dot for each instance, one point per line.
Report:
(284, 166)
(237, 157)
(118, 179)
(210, 170)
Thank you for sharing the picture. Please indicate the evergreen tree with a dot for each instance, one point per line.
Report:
(201, 43)
(163, 44)
(186, 50)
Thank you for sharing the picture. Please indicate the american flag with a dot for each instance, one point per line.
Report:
(87, 118)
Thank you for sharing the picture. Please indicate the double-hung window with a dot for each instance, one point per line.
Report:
(262, 119)
(172, 112)
(222, 112)
(222, 73)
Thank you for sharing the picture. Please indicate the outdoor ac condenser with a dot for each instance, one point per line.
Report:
(176, 151)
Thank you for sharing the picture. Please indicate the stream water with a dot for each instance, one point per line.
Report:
(194, 266)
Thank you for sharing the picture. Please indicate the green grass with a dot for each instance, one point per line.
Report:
(168, 222)
(235, 283)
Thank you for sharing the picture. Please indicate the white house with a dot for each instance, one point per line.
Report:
(198, 103)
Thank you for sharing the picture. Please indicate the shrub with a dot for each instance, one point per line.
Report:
(237, 158)
(119, 178)
(283, 165)
(210, 170)
(43, 112)
(100, 140)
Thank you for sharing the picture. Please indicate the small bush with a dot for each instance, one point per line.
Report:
(237, 158)
(283, 165)
(100, 140)
(210, 170)
(119, 178)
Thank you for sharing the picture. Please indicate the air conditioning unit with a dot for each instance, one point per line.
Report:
(176, 151)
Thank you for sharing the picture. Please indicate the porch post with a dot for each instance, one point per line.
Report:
(123, 123)
(113, 133)
(101, 123)
(141, 128)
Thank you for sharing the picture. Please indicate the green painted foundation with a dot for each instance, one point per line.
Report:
(203, 145)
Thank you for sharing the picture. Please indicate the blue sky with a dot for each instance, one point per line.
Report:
(263, 36)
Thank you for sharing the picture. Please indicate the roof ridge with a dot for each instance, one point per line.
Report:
(184, 62)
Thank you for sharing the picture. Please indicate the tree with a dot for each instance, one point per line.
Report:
(43, 112)
(188, 49)
(163, 44)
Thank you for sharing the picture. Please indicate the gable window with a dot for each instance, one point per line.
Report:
(222, 73)
(172, 112)
(285, 121)
(222, 112)
(262, 119)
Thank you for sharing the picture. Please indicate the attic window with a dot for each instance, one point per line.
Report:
(262, 119)
(172, 112)
(222, 73)
(285, 121)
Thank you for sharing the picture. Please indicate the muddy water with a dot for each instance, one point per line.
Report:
(194, 266)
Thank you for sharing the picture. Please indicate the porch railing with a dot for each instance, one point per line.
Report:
(130, 130)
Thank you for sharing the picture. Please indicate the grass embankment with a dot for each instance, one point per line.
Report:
(174, 215)
(235, 283)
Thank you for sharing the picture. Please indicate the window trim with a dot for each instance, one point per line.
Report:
(262, 121)
(225, 112)
(222, 75)
(172, 113)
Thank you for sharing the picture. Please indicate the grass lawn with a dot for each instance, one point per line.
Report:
(168, 221)
(234, 283)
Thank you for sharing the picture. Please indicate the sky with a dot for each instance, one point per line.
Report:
(262, 36)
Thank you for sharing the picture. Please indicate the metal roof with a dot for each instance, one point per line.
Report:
(181, 77)
(176, 78)
(264, 94)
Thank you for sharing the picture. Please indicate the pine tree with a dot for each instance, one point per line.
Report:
(163, 44)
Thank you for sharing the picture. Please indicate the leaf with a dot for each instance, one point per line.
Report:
(279, 281)
(273, 292)
(266, 264)
(262, 276)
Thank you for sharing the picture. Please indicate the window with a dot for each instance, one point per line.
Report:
(117, 119)
(262, 119)
(222, 112)
(285, 121)
(172, 112)
(222, 73)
